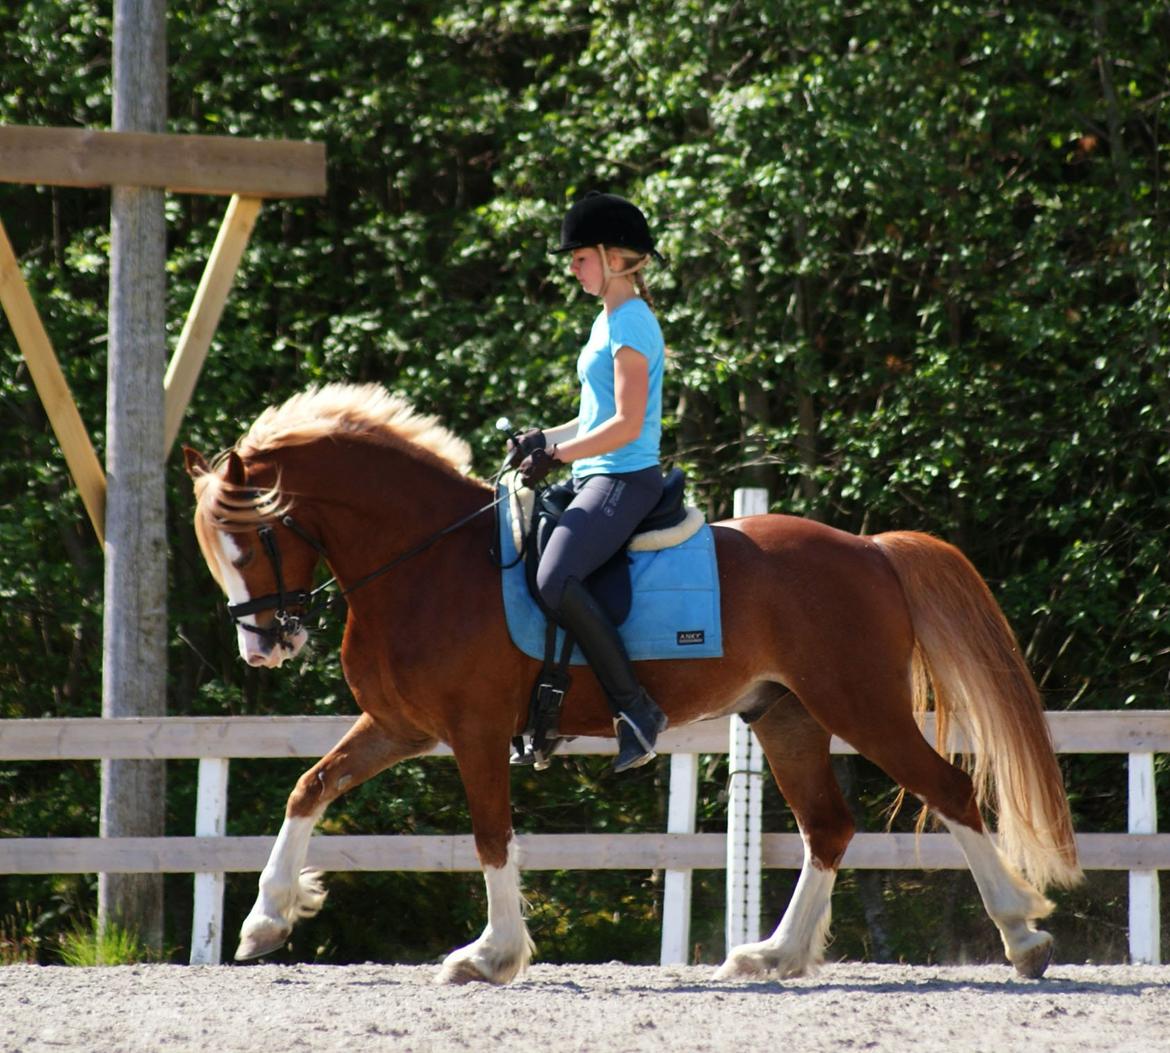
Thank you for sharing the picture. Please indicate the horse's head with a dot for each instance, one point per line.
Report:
(264, 567)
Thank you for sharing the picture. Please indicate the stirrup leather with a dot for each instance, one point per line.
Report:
(542, 734)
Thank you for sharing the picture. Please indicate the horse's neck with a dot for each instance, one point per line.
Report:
(373, 504)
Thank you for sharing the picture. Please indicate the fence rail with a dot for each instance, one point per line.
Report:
(446, 852)
(215, 741)
(187, 738)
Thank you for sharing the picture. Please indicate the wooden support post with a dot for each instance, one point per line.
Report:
(134, 615)
(206, 309)
(51, 385)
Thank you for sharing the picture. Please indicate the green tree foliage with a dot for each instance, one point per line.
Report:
(917, 279)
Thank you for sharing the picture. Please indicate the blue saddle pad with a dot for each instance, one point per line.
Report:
(675, 611)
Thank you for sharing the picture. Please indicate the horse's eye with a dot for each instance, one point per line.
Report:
(243, 559)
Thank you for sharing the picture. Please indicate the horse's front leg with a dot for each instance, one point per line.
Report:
(289, 892)
(505, 948)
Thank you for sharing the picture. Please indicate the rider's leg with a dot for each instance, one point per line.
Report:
(597, 524)
(637, 719)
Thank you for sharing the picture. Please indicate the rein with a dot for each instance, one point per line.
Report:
(286, 624)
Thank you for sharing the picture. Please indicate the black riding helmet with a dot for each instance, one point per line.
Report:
(606, 219)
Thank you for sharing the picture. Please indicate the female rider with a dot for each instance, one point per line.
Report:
(613, 447)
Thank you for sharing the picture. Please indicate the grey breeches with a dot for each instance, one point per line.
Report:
(599, 521)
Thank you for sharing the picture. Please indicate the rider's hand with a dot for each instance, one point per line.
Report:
(520, 446)
(536, 466)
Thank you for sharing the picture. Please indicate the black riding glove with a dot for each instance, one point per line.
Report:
(536, 466)
(520, 446)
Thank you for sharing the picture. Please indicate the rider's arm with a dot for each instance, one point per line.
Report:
(561, 433)
(631, 393)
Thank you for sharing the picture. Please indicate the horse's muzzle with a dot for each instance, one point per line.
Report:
(270, 646)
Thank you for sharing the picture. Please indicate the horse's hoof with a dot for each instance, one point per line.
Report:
(261, 940)
(742, 967)
(1032, 963)
(462, 971)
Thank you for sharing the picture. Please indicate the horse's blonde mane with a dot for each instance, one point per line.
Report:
(352, 409)
(356, 410)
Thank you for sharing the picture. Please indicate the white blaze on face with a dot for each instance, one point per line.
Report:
(253, 648)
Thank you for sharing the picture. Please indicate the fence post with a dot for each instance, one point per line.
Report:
(1144, 907)
(745, 766)
(744, 837)
(676, 893)
(210, 821)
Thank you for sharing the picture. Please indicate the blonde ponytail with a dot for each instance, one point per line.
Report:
(643, 291)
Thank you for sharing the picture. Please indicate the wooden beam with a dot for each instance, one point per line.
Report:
(51, 385)
(192, 164)
(206, 310)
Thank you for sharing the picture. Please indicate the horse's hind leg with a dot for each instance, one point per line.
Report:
(1010, 901)
(797, 748)
(288, 892)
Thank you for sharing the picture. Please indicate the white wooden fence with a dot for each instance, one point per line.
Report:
(679, 851)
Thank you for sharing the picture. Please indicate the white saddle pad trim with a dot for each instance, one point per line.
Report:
(656, 540)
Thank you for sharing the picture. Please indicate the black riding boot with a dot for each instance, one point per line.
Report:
(637, 720)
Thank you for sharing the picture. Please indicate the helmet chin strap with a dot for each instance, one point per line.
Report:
(608, 275)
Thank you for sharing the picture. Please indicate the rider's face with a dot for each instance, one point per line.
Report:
(585, 265)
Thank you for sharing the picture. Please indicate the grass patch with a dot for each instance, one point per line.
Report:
(90, 944)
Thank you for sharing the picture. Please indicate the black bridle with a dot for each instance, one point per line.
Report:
(285, 623)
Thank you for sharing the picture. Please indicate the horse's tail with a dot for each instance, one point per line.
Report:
(967, 659)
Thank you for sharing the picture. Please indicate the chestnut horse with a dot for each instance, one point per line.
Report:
(825, 633)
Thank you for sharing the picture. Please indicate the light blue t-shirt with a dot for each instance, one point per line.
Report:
(632, 325)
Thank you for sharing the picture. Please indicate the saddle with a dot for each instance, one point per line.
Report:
(534, 516)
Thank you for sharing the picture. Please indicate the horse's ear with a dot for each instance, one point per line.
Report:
(235, 474)
(195, 462)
